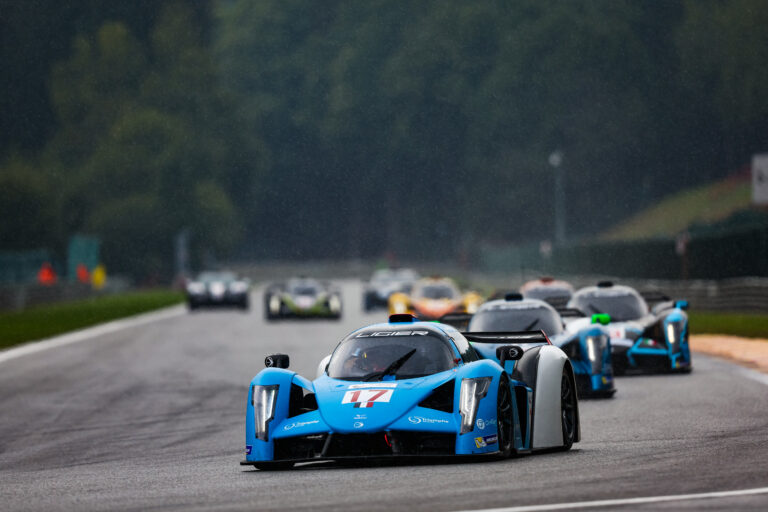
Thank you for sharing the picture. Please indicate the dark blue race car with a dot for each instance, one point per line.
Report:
(586, 341)
(415, 389)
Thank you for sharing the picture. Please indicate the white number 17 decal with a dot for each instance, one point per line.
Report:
(366, 397)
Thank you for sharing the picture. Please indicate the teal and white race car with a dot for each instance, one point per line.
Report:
(642, 338)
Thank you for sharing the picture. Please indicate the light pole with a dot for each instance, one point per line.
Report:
(556, 160)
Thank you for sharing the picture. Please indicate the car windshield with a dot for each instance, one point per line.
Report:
(548, 292)
(387, 276)
(437, 291)
(506, 319)
(622, 306)
(211, 277)
(303, 288)
(364, 355)
(382, 276)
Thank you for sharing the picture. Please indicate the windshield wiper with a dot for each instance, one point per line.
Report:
(593, 308)
(532, 324)
(392, 368)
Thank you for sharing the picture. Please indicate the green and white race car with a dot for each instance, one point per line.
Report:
(302, 298)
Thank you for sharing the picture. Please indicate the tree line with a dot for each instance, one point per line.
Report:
(293, 129)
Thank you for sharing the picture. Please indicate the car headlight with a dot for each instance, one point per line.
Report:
(196, 288)
(595, 347)
(472, 391)
(238, 287)
(263, 399)
(674, 333)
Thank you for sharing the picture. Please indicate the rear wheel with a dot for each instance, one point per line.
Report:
(568, 410)
(504, 421)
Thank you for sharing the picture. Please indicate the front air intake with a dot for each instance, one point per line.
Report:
(441, 398)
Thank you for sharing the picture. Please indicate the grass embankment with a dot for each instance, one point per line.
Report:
(736, 324)
(52, 319)
(705, 204)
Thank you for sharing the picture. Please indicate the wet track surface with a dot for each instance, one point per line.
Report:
(152, 417)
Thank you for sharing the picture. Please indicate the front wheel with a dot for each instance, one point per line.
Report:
(504, 420)
(568, 410)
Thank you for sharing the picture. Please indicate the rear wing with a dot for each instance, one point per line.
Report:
(508, 337)
(458, 320)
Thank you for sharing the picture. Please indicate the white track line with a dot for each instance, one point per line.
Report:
(754, 375)
(628, 501)
(91, 332)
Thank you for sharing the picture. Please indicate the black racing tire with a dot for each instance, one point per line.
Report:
(504, 419)
(274, 466)
(619, 365)
(568, 414)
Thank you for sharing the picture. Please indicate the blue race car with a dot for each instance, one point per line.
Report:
(642, 338)
(587, 343)
(415, 389)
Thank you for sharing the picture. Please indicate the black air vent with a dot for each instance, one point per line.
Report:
(302, 400)
(441, 398)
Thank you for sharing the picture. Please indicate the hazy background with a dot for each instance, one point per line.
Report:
(415, 131)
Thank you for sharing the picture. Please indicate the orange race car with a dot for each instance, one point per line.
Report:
(431, 298)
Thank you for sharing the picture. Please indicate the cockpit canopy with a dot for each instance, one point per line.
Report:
(366, 353)
(526, 315)
(436, 289)
(621, 302)
(216, 277)
(303, 287)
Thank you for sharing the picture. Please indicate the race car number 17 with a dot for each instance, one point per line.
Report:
(366, 397)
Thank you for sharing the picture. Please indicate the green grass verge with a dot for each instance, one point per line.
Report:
(705, 204)
(52, 319)
(736, 324)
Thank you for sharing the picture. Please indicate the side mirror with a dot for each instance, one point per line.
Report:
(601, 318)
(323, 366)
(277, 361)
(681, 304)
(508, 353)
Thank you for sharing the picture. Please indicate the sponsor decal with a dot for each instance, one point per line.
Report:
(366, 397)
(421, 419)
(358, 424)
(374, 385)
(248, 449)
(617, 332)
(481, 423)
(382, 334)
(360, 417)
(482, 442)
(296, 424)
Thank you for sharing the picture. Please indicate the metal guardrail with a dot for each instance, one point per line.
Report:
(748, 294)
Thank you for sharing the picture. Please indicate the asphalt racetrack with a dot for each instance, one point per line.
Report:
(152, 418)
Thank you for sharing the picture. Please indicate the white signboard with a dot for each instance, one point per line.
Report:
(760, 179)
